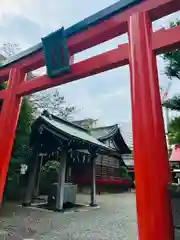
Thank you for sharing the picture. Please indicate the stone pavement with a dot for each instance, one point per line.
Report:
(115, 219)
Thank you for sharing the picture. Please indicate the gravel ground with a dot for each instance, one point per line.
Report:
(115, 219)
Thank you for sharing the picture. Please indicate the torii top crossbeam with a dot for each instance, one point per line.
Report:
(132, 16)
(91, 21)
(100, 27)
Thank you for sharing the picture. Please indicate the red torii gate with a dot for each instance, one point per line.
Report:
(153, 205)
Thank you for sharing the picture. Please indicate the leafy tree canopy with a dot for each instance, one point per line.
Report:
(172, 59)
(172, 70)
(21, 149)
(54, 102)
(174, 131)
(173, 103)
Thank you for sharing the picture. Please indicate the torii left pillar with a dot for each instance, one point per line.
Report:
(8, 121)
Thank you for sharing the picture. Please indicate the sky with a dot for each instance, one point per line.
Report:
(106, 96)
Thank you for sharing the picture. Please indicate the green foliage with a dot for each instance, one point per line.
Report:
(174, 131)
(21, 143)
(49, 175)
(172, 70)
(124, 173)
(12, 187)
(173, 103)
(21, 149)
(20, 153)
(172, 59)
(3, 86)
(51, 166)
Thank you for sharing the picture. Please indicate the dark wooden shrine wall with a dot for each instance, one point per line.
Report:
(106, 167)
(106, 172)
(107, 161)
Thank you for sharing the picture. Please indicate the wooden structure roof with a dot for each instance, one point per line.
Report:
(112, 137)
(55, 131)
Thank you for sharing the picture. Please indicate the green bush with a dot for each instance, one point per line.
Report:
(49, 175)
(13, 189)
(124, 173)
(20, 152)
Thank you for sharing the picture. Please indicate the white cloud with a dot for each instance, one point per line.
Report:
(122, 93)
(105, 97)
(52, 14)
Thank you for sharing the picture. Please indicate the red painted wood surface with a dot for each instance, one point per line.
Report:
(104, 181)
(153, 210)
(162, 40)
(8, 121)
(89, 67)
(152, 198)
(104, 31)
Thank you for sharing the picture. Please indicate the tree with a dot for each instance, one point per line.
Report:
(174, 131)
(172, 59)
(31, 106)
(9, 49)
(21, 149)
(173, 103)
(49, 100)
(54, 102)
(124, 173)
(172, 70)
(20, 153)
(49, 175)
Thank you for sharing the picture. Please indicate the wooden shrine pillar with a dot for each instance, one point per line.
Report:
(61, 181)
(32, 177)
(152, 198)
(36, 192)
(93, 184)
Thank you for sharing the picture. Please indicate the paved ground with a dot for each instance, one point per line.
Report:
(115, 219)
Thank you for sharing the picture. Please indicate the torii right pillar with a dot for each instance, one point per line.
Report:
(152, 172)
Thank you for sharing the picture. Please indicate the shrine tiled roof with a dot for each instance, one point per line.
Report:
(104, 132)
(108, 138)
(58, 126)
(109, 134)
(126, 131)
